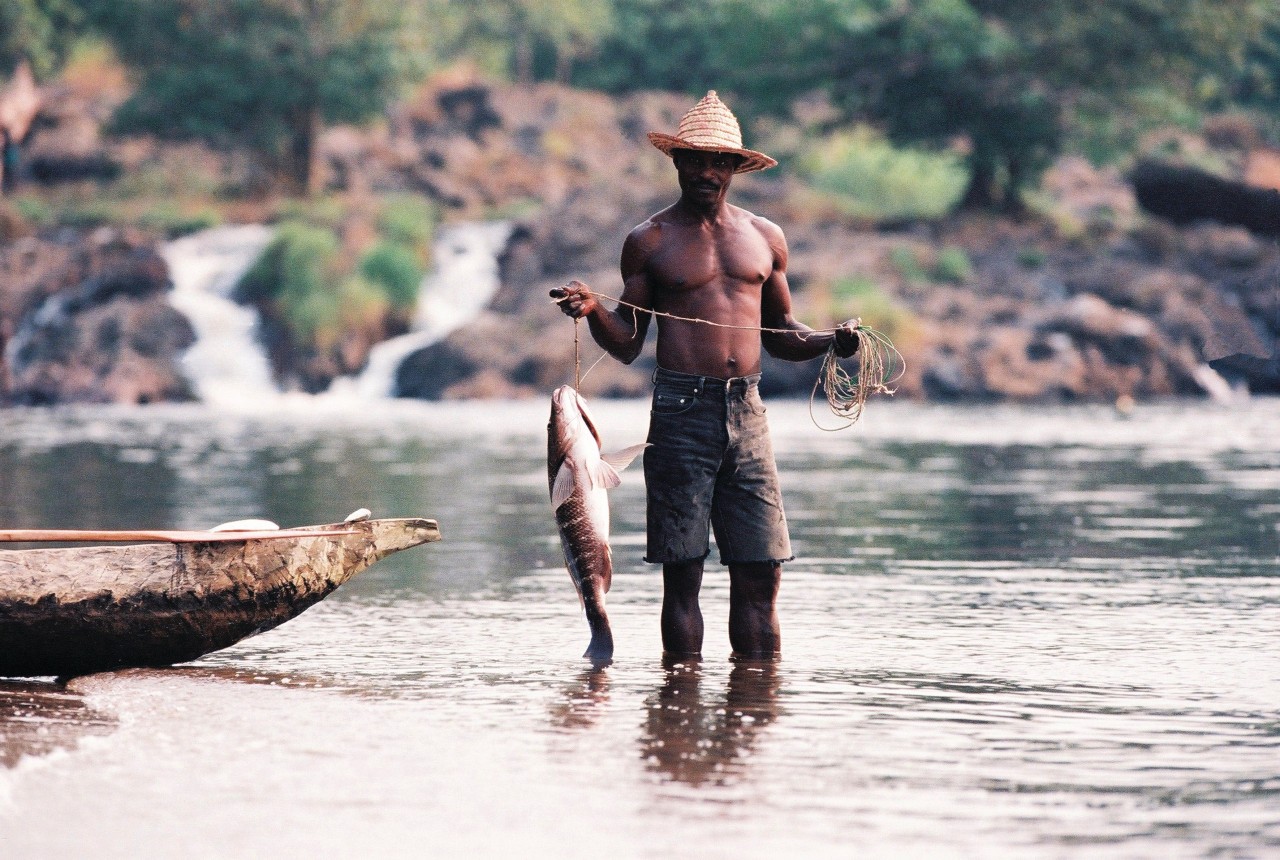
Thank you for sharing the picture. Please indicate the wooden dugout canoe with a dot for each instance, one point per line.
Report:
(78, 610)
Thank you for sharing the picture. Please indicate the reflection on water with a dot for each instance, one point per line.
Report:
(37, 719)
(695, 738)
(1010, 632)
(584, 699)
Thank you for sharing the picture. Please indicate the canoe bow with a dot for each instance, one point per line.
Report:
(75, 610)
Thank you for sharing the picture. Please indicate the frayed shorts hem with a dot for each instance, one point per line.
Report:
(723, 561)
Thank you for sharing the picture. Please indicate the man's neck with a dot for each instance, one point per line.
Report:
(706, 213)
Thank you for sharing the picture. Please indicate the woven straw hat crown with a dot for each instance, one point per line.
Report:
(711, 127)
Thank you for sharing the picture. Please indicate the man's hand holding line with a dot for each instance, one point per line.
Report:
(575, 299)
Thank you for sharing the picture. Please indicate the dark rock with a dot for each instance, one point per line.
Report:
(53, 168)
(1184, 195)
(1259, 375)
(88, 321)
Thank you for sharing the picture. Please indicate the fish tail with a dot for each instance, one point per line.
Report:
(601, 645)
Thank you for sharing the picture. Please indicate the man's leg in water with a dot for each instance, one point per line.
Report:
(753, 610)
(681, 614)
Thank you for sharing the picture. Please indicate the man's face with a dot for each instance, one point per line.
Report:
(705, 176)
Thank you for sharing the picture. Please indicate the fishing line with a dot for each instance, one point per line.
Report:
(879, 363)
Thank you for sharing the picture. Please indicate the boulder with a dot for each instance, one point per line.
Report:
(87, 320)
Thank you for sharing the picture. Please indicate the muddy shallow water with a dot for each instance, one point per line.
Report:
(1009, 632)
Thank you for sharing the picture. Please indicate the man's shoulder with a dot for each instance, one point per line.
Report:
(649, 231)
(757, 222)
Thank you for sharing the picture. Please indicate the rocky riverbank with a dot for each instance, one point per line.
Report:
(1088, 300)
(85, 318)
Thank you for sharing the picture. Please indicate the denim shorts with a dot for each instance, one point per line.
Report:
(711, 466)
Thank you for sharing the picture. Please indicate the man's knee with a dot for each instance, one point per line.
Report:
(683, 577)
(756, 581)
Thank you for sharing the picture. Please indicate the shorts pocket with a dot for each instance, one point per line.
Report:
(754, 402)
(673, 398)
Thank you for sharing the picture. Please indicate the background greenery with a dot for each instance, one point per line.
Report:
(1005, 85)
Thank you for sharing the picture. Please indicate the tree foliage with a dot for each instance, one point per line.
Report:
(266, 74)
(39, 31)
(1256, 83)
(1004, 78)
(1007, 82)
(523, 39)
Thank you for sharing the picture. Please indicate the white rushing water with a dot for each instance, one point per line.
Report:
(226, 365)
(461, 285)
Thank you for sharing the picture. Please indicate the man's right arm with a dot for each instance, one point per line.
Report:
(619, 332)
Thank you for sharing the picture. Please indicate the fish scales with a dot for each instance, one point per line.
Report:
(578, 476)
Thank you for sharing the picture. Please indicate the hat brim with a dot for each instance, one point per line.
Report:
(752, 160)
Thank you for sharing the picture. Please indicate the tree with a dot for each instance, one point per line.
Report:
(1003, 78)
(521, 32)
(1256, 83)
(38, 31)
(266, 74)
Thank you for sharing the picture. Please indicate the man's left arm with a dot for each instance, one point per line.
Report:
(796, 341)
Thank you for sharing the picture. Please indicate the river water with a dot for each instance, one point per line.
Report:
(1009, 632)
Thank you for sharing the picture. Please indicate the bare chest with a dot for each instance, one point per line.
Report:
(730, 259)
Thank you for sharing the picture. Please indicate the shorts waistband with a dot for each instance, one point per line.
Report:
(707, 383)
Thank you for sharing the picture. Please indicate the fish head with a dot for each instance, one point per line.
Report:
(569, 413)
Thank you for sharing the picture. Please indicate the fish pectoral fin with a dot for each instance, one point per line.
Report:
(562, 488)
(620, 460)
(604, 475)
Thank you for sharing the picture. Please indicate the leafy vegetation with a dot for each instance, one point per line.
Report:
(1012, 80)
(307, 278)
(396, 273)
(43, 32)
(858, 296)
(895, 109)
(261, 74)
(1011, 83)
(952, 266)
(868, 177)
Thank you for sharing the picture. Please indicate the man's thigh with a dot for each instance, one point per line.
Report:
(680, 468)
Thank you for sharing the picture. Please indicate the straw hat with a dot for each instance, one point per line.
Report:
(710, 126)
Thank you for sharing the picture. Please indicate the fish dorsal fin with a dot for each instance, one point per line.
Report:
(622, 459)
(604, 475)
(562, 488)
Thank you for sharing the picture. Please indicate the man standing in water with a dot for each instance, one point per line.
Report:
(715, 275)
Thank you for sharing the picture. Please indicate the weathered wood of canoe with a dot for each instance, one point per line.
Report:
(153, 535)
(79, 610)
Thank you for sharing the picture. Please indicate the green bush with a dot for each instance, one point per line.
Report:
(907, 262)
(92, 213)
(393, 268)
(952, 266)
(1031, 258)
(175, 223)
(34, 210)
(409, 220)
(298, 272)
(302, 274)
(861, 297)
(865, 176)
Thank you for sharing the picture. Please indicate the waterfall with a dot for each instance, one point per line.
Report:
(463, 282)
(227, 364)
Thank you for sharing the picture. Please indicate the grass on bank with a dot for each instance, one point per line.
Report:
(865, 177)
(327, 272)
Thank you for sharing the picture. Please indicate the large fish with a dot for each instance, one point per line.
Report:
(579, 475)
